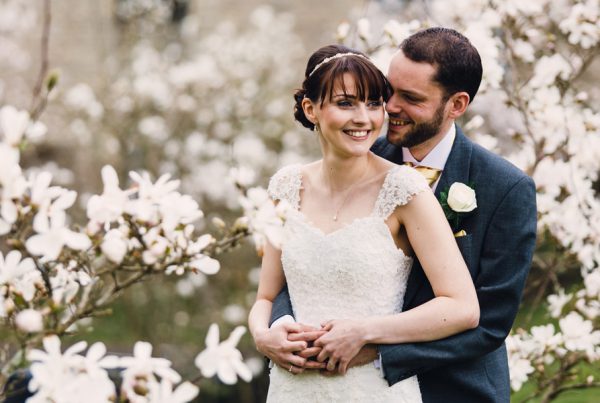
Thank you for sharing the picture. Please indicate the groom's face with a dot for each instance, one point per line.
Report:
(417, 107)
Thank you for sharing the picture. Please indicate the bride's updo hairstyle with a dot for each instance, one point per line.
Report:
(325, 70)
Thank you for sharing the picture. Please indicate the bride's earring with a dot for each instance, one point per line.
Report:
(317, 128)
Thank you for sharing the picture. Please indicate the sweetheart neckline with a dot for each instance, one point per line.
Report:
(378, 220)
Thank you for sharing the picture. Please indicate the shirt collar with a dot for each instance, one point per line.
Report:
(438, 156)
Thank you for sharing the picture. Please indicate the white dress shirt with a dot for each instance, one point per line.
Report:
(437, 157)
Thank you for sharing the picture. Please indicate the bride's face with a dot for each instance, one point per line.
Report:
(348, 126)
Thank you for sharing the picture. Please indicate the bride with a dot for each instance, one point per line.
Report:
(356, 222)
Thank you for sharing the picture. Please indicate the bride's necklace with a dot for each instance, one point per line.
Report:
(348, 192)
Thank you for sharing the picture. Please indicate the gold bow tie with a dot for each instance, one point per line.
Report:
(431, 174)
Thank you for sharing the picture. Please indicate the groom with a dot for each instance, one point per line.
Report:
(434, 76)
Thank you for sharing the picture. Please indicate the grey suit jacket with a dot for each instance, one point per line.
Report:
(471, 366)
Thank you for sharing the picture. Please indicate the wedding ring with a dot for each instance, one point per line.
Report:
(290, 370)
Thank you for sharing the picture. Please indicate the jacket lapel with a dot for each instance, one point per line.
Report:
(455, 170)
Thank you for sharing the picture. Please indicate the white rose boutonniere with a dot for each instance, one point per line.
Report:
(458, 201)
(461, 198)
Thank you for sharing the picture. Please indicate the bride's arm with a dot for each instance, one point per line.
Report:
(273, 342)
(454, 309)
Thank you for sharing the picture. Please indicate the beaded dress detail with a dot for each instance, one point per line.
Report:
(355, 271)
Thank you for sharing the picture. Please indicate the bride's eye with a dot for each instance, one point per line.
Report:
(344, 103)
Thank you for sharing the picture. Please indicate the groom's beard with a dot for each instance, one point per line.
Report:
(421, 132)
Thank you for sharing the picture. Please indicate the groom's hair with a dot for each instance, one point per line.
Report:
(456, 60)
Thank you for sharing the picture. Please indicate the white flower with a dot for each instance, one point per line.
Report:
(364, 29)
(66, 282)
(176, 209)
(548, 68)
(578, 333)
(520, 368)
(51, 369)
(108, 206)
(50, 241)
(153, 191)
(264, 218)
(30, 321)
(342, 31)
(81, 97)
(20, 276)
(461, 198)
(70, 377)
(234, 314)
(557, 302)
(13, 124)
(397, 32)
(223, 359)
(205, 264)
(242, 176)
(142, 364)
(114, 246)
(164, 392)
(592, 284)
(545, 337)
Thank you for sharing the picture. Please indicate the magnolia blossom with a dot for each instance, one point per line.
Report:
(66, 282)
(582, 24)
(579, 334)
(142, 368)
(50, 239)
(30, 321)
(364, 29)
(110, 205)
(557, 302)
(114, 245)
(265, 220)
(164, 392)
(19, 276)
(520, 368)
(342, 31)
(13, 124)
(223, 359)
(69, 377)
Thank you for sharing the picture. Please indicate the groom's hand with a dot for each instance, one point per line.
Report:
(366, 356)
(275, 345)
(309, 335)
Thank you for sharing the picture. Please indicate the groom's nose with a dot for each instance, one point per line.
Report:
(393, 105)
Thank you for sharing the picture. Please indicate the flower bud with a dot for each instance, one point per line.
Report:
(29, 321)
(219, 223)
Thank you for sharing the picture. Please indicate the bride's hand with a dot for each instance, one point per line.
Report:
(274, 344)
(341, 343)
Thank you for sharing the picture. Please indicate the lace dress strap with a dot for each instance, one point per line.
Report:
(399, 186)
(286, 184)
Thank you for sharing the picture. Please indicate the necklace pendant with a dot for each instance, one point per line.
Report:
(335, 217)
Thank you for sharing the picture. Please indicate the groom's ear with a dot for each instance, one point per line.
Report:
(458, 103)
(309, 110)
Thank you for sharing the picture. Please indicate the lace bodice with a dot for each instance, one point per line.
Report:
(355, 271)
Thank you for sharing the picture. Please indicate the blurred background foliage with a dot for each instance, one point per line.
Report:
(192, 88)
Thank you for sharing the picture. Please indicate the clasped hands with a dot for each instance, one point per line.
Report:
(331, 349)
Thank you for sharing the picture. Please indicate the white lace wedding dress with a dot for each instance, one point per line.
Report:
(353, 272)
